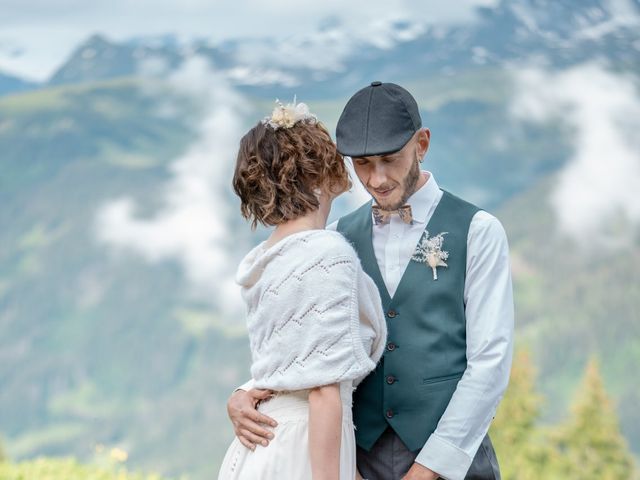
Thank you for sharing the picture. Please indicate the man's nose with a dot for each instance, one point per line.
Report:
(378, 176)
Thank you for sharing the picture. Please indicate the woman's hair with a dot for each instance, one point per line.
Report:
(277, 171)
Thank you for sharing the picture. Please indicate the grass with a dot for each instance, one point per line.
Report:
(66, 469)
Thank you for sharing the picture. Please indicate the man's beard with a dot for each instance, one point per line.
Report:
(408, 188)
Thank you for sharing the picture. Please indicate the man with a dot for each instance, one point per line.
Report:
(442, 268)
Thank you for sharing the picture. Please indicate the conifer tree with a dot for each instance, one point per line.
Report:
(591, 444)
(3, 456)
(523, 450)
(520, 406)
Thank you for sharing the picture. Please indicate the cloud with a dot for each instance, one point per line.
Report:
(190, 226)
(46, 31)
(597, 190)
(623, 14)
(324, 50)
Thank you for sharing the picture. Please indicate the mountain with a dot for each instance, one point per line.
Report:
(98, 59)
(573, 303)
(101, 348)
(108, 342)
(333, 61)
(12, 84)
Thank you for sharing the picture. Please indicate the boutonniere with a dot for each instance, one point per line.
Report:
(429, 251)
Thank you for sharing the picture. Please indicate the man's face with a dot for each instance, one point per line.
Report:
(392, 178)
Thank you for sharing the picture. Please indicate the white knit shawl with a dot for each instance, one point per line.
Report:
(313, 316)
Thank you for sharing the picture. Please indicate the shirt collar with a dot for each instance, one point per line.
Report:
(423, 198)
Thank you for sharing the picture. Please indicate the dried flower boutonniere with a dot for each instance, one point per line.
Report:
(429, 251)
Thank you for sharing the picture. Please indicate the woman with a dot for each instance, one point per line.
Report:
(314, 318)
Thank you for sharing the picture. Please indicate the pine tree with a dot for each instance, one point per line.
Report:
(591, 444)
(520, 407)
(523, 450)
(3, 456)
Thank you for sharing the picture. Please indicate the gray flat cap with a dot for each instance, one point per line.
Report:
(377, 120)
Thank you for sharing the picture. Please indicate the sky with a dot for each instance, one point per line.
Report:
(37, 35)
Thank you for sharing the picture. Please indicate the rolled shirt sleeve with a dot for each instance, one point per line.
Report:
(246, 386)
(489, 312)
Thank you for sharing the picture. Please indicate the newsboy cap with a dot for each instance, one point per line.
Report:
(377, 120)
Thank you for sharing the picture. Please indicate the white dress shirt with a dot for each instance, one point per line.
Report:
(489, 313)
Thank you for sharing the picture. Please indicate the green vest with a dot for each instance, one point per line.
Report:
(425, 355)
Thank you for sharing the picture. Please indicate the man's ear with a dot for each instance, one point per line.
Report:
(424, 137)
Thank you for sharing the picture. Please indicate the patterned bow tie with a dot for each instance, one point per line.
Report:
(381, 216)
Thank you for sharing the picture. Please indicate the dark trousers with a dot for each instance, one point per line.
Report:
(389, 459)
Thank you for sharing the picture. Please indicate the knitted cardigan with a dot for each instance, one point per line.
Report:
(313, 316)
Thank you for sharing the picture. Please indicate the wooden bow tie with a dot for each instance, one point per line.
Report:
(381, 216)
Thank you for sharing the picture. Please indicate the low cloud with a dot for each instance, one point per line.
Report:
(596, 194)
(190, 226)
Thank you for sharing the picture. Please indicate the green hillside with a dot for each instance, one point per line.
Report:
(98, 346)
(573, 303)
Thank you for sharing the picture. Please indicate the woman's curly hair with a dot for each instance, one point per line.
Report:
(277, 171)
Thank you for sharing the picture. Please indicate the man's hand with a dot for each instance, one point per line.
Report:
(420, 472)
(248, 423)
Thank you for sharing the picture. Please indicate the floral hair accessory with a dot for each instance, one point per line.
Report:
(286, 116)
(429, 251)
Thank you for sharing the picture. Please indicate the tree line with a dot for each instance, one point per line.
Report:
(588, 445)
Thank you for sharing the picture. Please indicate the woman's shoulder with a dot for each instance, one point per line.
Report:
(326, 243)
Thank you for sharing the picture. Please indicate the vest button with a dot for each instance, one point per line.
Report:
(391, 379)
(391, 346)
(392, 314)
(389, 413)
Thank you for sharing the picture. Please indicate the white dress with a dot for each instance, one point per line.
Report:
(313, 318)
(287, 456)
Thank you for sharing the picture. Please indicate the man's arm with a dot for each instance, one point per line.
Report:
(449, 451)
